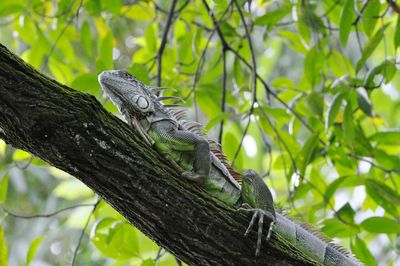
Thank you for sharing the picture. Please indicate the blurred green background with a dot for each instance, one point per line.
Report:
(323, 129)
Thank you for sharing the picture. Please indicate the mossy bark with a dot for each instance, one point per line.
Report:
(72, 131)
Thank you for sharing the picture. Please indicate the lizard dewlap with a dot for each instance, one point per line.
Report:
(200, 161)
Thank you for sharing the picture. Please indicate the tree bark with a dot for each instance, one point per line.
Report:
(73, 132)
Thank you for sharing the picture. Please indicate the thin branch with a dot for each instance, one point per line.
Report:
(53, 47)
(160, 253)
(26, 165)
(253, 56)
(200, 66)
(271, 92)
(243, 136)
(47, 215)
(82, 233)
(394, 6)
(164, 41)
(223, 98)
(266, 86)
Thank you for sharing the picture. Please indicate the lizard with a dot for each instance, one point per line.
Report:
(200, 161)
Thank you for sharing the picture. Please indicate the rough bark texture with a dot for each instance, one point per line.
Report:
(73, 132)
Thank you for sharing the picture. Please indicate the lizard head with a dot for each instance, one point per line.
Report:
(126, 92)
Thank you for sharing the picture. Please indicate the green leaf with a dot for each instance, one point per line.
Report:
(370, 47)
(334, 228)
(343, 181)
(3, 188)
(86, 39)
(383, 195)
(115, 239)
(313, 65)
(215, 121)
(387, 137)
(9, 9)
(390, 162)
(307, 153)
(33, 248)
(3, 248)
(362, 146)
(339, 64)
(363, 101)
(346, 213)
(64, 6)
(26, 28)
(360, 249)
(112, 6)
(227, 30)
(105, 61)
(208, 98)
(197, 42)
(72, 189)
(93, 7)
(140, 12)
(283, 82)
(384, 72)
(316, 103)
(148, 262)
(185, 50)
(151, 39)
(348, 126)
(381, 225)
(397, 34)
(140, 72)
(369, 16)
(87, 82)
(333, 109)
(238, 71)
(271, 18)
(293, 41)
(347, 17)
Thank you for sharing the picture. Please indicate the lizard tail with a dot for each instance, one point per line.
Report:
(298, 240)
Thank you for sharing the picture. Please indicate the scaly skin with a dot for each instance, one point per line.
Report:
(191, 154)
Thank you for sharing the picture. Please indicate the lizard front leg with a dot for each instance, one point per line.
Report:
(257, 199)
(169, 140)
(188, 141)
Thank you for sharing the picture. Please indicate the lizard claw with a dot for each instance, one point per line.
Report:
(260, 214)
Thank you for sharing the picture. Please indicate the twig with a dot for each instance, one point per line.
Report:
(69, 21)
(394, 6)
(223, 98)
(164, 41)
(266, 86)
(20, 216)
(253, 57)
(160, 253)
(243, 135)
(82, 233)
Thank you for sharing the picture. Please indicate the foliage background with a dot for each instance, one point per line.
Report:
(304, 92)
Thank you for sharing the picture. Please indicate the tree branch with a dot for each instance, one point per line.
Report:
(73, 132)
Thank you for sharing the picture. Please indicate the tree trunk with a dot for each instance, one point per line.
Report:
(73, 132)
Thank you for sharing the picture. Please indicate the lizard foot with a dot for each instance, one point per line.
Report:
(195, 177)
(258, 213)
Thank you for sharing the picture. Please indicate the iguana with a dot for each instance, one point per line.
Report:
(201, 161)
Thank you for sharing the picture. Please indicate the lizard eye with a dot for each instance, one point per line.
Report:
(125, 75)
